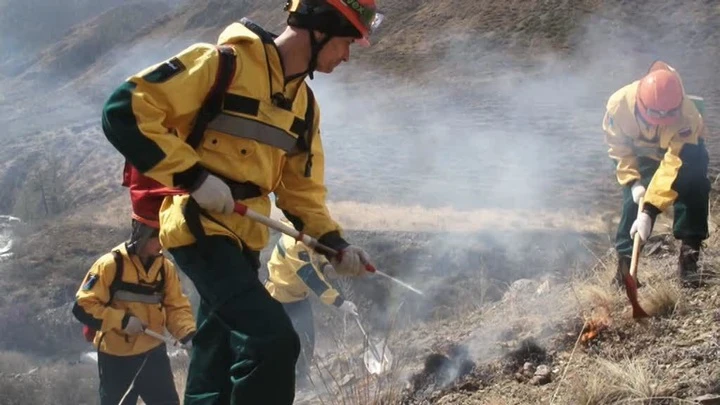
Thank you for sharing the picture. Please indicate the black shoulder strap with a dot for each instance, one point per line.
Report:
(117, 280)
(309, 130)
(212, 106)
(161, 285)
(265, 37)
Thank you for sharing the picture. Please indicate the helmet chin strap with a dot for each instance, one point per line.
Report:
(315, 48)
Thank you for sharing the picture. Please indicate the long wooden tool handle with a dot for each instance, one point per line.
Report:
(636, 247)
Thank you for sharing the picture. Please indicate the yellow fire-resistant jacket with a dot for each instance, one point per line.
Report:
(292, 274)
(173, 312)
(149, 117)
(629, 138)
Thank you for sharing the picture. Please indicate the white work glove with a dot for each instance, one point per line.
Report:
(642, 226)
(329, 272)
(134, 326)
(349, 307)
(351, 261)
(638, 191)
(214, 195)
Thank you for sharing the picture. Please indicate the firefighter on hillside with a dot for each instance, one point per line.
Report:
(656, 136)
(264, 140)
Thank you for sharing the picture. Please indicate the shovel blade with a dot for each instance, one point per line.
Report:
(377, 358)
(631, 290)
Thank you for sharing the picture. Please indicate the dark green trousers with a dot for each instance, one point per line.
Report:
(301, 315)
(154, 382)
(690, 207)
(245, 348)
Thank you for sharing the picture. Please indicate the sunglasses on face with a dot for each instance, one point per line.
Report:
(651, 112)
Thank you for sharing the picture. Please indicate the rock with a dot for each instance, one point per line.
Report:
(542, 375)
(708, 399)
(528, 369)
(537, 380)
(542, 371)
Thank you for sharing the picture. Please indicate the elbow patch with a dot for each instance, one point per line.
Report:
(308, 275)
(120, 127)
(85, 318)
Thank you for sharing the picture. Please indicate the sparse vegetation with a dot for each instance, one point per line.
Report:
(603, 382)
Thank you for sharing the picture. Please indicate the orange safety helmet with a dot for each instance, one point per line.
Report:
(346, 18)
(660, 96)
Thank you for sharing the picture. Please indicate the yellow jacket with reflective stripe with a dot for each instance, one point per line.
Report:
(150, 116)
(292, 275)
(174, 313)
(629, 138)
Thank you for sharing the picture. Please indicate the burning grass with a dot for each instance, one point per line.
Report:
(442, 369)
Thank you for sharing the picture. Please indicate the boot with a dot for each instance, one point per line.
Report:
(623, 269)
(688, 263)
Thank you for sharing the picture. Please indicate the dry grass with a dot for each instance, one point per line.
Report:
(342, 378)
(662, 298)
(602, 382)
(25, 381)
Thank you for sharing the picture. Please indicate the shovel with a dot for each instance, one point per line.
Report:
(243, 210)
(375, 363)
(631, 276)
(168, 340)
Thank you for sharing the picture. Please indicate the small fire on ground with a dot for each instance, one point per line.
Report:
(594, 326)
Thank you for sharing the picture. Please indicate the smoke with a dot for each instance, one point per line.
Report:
(482, 129)
(475, 134)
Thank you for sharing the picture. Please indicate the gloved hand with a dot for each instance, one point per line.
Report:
(642, 226)
(329, 271)
(349, 307)
(351, 261)
(214, 195)
(133, 326)
(638, 191)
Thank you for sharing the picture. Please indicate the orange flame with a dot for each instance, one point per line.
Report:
(593, 328)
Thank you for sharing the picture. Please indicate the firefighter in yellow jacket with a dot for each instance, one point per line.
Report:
(656, 136)
(131, 289)
(295, 271)
(264, 140)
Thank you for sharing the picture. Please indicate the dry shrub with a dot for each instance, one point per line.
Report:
(22, 381)
(604, 382)
(662, 298)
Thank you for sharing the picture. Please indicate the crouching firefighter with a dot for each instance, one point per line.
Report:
(294, 272)
(261, 138)
(656, 136)
(126, 291)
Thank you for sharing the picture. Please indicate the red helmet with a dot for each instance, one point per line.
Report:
(660, 96)
(345, 18)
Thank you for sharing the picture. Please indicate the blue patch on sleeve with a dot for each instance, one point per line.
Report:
(90, 282)
(685, 132)
(304, 256)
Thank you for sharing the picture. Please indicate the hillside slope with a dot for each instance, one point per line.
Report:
(479, 116)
